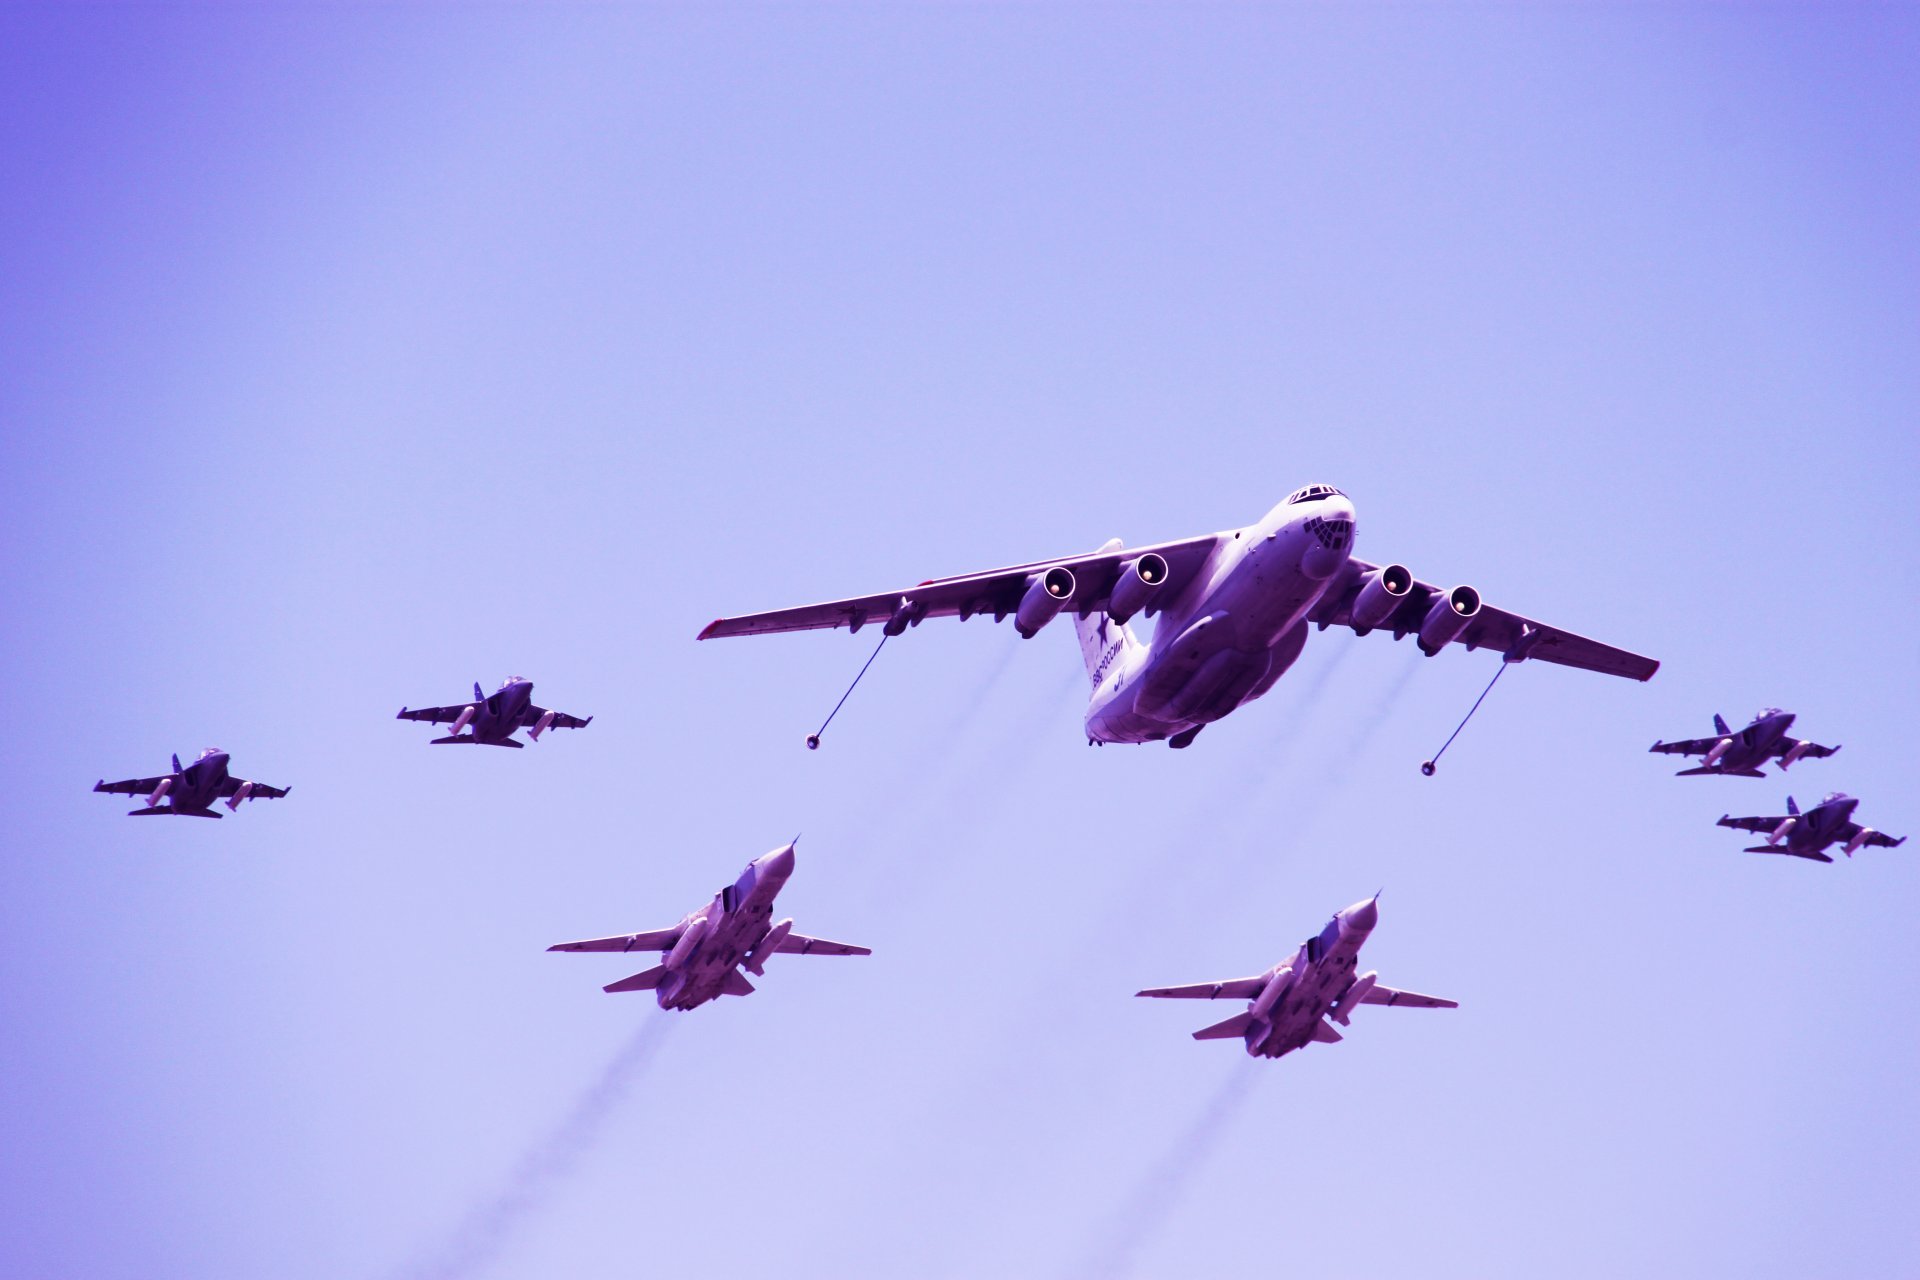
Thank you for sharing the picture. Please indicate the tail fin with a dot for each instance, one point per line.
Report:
(1793, 810)
(1102, 640)
(477, 695)
(176, 762)
(1720, 726)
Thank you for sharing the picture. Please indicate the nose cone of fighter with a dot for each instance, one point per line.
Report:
(779, 863)
(1362, 916)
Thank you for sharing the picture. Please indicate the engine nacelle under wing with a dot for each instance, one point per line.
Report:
(1047, 594)
(1140, 579)
(1447, 618)
(1380, 594)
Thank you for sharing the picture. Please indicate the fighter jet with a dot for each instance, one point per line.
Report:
(190, 792)
(1741, 754)
(1233, 610)
(494, 719)
(1289, 1001)
(705, 951)
(1806, 835)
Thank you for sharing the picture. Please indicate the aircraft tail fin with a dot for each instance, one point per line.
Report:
(1720, 725)
(477, 695)
(1793, 810)
(640, 981)
(1231, 1029)
(176, 762)
(1102, 640)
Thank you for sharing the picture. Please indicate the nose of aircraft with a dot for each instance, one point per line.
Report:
(1363, 915)
(779, 862)
(1336, 507)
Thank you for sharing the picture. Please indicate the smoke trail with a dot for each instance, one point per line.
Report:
(477, 1241)
(1151, 1201)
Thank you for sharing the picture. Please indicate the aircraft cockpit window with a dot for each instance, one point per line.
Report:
(1767, 711)
(210, 751)
(512, 680)
(1313, 492)
(1831, 796)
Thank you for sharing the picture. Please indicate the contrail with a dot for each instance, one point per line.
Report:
(477, 1241)
(1147, 1206)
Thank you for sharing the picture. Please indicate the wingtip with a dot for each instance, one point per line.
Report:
(707, 632)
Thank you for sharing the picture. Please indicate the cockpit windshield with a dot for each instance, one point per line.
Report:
(210, 751)
(510, 681)
(1831, 796)
(1766, 712)
(1313, 492)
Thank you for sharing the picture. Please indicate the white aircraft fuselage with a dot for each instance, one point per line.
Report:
(1231, 633)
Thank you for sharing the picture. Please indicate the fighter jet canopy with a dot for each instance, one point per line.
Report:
(210, 751)
(1313, 491)
(510, 681)
(1764, 712)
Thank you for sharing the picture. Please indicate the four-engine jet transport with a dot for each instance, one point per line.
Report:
(705, 951)
(1289, 1002)
(190, 792)
(1741, 754)
(1807, 835)
(494, 719)
(1233, 610)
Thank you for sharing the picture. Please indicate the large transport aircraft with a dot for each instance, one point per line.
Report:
(1233, 610)
(1808, 835)
(1288, 1004)
(190, 792)
(495, 717)
(1740, 755)
(705, 951)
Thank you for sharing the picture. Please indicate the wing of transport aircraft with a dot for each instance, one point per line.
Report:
(997, 592)
(1491, 628)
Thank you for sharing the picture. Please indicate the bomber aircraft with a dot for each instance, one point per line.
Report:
(1289, 1002)
(1807, 835)
(190, 792)
(1741, 754)
(705, 951)
(494, 719)
(1233, 610)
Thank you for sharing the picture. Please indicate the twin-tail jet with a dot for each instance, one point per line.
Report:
(705, 951)
(1807, 835)
(190, 792)
(495, 719)
(1232, 613)
(1290, 1002)
(1741, 755)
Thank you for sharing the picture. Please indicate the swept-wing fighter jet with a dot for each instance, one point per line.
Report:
(1233, 610)
(705, 951)
(1807, 835)
(1741, 754)
(1287, 1003)
(190, 792)
(494, 719)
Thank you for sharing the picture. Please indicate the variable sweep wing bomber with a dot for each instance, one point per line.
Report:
(704, 953)
(1289, 1005)
(491, 720)
(190, 792)
(1232, 613)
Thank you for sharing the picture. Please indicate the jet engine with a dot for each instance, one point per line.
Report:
(1140, 578)
(1447, 618)
(1380, 594)
(1047, 594)
(688, 941)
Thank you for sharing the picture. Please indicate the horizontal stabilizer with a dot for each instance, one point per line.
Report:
(640, 981)
(176, 812)
(1232, 1029)
(1703, 770)
(1325, 1034)
(735, 984)
(1782, 849)
(483, 742)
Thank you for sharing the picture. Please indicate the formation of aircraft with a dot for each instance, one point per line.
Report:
(1809, 834)
(705, 952)
(192, 791)
(1289, 1005)
(1740, 755)
(495, 718)
(1233, 610)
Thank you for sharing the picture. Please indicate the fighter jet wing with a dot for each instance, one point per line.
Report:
(1491, 628)
(133, 786)
(800, 944)
(561, 720)
(1689, 747)
(1412, 999)
(1231, 989)
(436, 715)
(1765, 826)
(1875, 839)
(261, 791)
(996, 591)
(1807, 750)
(656, 940)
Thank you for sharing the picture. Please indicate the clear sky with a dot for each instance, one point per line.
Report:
(351, 354)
